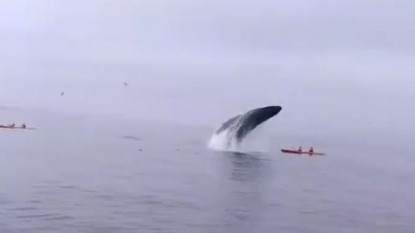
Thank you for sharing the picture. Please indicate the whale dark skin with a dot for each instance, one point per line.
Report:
(243, 124)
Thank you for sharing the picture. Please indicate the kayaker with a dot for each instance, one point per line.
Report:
(311, 150)
(24, 126)
(300, 149)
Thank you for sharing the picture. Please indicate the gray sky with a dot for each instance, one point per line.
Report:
(324, 61)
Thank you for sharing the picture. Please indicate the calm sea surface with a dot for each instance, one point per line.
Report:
(158, 178)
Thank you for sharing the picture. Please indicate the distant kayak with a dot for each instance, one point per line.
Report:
(300, 153)
(15, 127)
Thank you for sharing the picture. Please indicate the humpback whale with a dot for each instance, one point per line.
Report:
(238, 127)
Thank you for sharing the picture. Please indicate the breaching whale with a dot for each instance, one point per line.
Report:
(238, 127)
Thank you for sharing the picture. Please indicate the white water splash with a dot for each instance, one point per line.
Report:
(226, 141)
(223, 142)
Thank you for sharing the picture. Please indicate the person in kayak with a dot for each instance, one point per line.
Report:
(24, 126)
(300, 149)
(311, 151)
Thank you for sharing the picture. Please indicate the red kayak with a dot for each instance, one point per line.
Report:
(300, 152)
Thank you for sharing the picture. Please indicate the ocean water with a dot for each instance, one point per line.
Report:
(82, 175)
